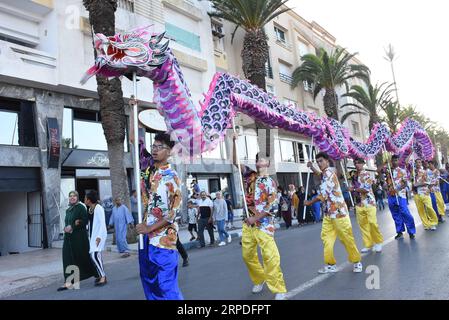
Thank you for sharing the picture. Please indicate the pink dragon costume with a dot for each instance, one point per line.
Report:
(199, 129)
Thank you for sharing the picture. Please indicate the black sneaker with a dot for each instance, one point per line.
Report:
(398, 236)
(412, 236)
(193, 238)
(185, 263)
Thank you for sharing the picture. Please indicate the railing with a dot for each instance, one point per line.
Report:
(286, 78)
(126, 5)
(268, 72)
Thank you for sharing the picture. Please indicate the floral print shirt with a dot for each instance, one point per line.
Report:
(422, 178)
(330, 192)
(365, 181)
(164, 200)
(434, 177)
(399, 178)
(261, 196)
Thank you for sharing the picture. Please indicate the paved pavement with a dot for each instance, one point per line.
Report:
(407, 269)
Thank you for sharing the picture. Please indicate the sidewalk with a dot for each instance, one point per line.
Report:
(32, 270)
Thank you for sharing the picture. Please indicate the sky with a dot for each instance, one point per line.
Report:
(418, 31)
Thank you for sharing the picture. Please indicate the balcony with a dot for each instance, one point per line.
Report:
(286, 78)
(25, 63)
(268, 72)
(184, 7)
(127, 5)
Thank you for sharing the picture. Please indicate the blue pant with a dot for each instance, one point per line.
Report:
(445, 192)
(230, 216)
(380, 204)
(434, 204)
(159, 272)
(401, 215)
(221, 230)
(317, 211)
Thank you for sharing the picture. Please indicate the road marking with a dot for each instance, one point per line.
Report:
(309, 284)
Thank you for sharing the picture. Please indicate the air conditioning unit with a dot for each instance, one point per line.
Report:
(217, 30)
(307, 87)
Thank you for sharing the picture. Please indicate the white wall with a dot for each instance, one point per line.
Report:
(13, 222)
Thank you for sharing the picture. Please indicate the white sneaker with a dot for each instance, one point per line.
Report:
(377, 247)
(433, 228)
(280, 296)
(229, 239)
(221, 244)
(258, 287)
(328, 269)
(358, 267)
(365, 250)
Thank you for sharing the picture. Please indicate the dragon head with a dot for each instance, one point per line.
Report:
(137, 50)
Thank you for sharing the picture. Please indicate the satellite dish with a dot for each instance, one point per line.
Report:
(152, 120)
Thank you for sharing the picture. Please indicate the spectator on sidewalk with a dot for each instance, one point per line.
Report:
(230, 212)
(75, 250)
(108, 205)
(134, 208)
(294, 200)
(220, 215)
(98, 234)
(120, 219)
(193, 216)
(205, 207)
(316, 207)
(285, 207)
(300, 212)
(380, 198)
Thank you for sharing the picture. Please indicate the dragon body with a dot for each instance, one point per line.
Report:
(200, 128)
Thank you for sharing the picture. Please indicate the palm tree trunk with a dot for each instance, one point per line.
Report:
(330, 101)
(255, 55)
(102, 19)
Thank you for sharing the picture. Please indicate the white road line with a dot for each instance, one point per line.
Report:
(309, 284)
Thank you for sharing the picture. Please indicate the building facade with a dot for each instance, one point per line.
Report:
(51, 139)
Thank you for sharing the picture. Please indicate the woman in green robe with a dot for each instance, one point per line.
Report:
(75, 250)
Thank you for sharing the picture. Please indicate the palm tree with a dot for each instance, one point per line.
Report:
(390, 55)
(328, 72)
(112, 111)
(369, 102)
(252, 16)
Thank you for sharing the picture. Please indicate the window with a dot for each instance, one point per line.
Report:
(280, 34)
(218, 153)
(285, 73)
(310, 153)
(9, 131)
(355, 128)
(241, 148)
(252, 147)
(287, 151)
(183, 37)
(301, 156)
(17, 123)
(126, 5)
(303, 49)
(82, 129)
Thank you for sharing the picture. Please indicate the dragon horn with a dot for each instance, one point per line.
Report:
(156, 39)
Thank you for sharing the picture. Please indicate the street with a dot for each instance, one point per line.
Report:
(408, 269)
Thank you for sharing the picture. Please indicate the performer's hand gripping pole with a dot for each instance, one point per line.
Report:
(237, 156)
(391, 175)
(137, 159)
(347, 184)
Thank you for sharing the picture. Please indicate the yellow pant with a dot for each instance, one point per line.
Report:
(271, 271)
(367, 219)
(440, 203)
(342, 228)
(426, 213)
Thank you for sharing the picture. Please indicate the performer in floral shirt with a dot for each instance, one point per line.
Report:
(397, 198)
(162, 198)
(435, 191)
(258, 229)
(366, 209)
(422, 198)
(336, 222)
